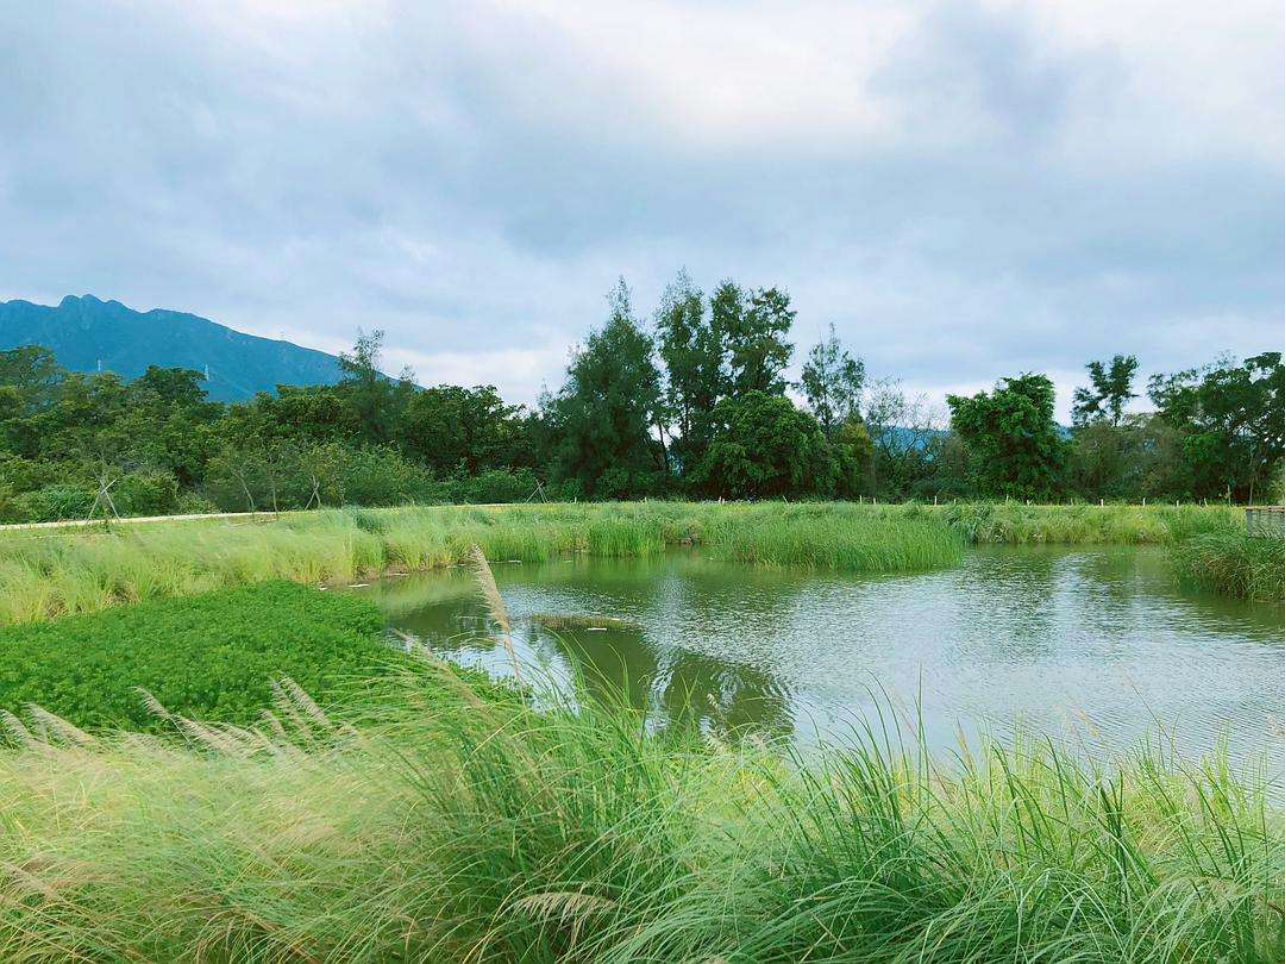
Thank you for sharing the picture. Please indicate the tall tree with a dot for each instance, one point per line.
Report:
(1231, 417)
(605, 414)
(1110, 389)
(832, 382)
(764, 447)
(366, 390)
(692, 346)
(1014, 444)
(757, 345)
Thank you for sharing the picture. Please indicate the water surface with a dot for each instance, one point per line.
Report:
(1094, 645)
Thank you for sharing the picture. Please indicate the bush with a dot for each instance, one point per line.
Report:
(146, 493)
(51, 503)
(210, 656)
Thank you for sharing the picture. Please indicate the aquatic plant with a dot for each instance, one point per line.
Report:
(213, 656)
(1232, 563)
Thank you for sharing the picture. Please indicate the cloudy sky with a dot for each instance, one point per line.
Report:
(965, 189)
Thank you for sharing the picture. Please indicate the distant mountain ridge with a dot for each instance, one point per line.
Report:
(86, 332)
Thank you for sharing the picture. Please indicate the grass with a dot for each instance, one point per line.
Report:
(1232, 563)
(1014, 523)
(213, 657)
(451, 827)
(47, 574)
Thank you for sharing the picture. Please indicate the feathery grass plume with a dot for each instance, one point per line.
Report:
(51, 724)
(495, 605)
(153, 705)
(487, 586)
(493, 830)
(18, 731)
(295, 693)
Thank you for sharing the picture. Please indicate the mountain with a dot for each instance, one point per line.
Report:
(86, 333)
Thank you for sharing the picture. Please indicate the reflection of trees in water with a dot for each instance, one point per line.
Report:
(731, 699)
(689, 690)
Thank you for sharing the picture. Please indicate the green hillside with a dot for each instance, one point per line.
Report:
(85, 333)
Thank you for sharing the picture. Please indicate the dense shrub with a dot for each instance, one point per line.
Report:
(61, 500)
(210, 656)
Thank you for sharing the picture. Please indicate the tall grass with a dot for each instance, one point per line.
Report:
(449, 826)
(1014, 523)
(1234, 564)
(45, 574)
(52, 574)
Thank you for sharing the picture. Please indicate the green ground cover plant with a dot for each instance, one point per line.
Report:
(215, 656)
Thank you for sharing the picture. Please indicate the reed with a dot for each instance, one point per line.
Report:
(48, 574)
(1233, 564)
(451, 824)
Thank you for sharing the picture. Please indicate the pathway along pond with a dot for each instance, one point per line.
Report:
(1096, 645)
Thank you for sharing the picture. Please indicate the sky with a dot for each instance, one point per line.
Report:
(966, 190)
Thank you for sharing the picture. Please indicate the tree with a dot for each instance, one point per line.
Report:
(764, 447)
(33, 375)
(756, 337)
(1110, 389)
(1015, 448)
(453, 429)
(365, 389)
(692, 345)
(905, 432)
(832, 382)
(605, 414)
(1231, 419)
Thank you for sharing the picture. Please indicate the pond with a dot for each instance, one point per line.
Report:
(1093, 645)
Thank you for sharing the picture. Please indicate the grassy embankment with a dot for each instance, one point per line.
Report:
(448, 827)
(51, 574)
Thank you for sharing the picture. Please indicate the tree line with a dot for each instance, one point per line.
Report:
(694, 403)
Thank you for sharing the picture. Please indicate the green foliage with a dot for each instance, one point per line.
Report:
(605, 414)
(1013, 441)
(1111, 387)
(756, 336)
(1232, 419)
(693, 348)
(622, 428)
(763, 447)
(832, 382)
(453, 826)
(213, 656)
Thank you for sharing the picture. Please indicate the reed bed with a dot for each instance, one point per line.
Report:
(1233, 564)
(452, 825)
(47, 574)
(52, 574)
(1014, 523)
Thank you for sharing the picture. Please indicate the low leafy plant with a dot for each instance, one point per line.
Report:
(212, 656)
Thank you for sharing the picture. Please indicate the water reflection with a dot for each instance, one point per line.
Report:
(1096, 644)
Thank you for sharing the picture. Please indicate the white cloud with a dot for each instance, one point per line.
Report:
(966, 190)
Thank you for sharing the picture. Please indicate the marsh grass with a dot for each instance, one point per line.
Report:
(1014, 523)
(590, 621)
(52, 574)
(450, 824)
(49, 574)
(1232, 563)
